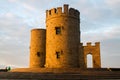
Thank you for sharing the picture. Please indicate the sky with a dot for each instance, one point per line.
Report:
(100, 22)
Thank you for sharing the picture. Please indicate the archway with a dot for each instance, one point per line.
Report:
(89, 61)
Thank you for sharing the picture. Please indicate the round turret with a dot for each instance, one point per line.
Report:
(37, 48)
(63, 38)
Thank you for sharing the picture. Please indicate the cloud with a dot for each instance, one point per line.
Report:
(100, 10)
(114, 3)
(12, 1)
(110, 53)
(28, 7)
(101, 34)
(14, 37)
(112, 32)
(15, 33)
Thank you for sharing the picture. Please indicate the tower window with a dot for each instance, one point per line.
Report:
(49, 12)
(38, 54)
(58, 30)
(57, 55)
(55, 11)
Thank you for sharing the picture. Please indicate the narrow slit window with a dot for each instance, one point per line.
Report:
(49, 12)
(55, 11)
(58, 30)
(38, 54)
(57, 55)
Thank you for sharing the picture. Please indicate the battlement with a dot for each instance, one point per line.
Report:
(66, 11)
(90, 44)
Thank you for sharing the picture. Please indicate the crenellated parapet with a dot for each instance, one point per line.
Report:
(90, 44)
(66, 11)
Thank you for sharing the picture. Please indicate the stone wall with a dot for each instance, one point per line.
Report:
(94, 50)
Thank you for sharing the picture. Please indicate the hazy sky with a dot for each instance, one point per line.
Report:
(100, 21)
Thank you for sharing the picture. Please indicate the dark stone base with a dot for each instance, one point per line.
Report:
(61, 74)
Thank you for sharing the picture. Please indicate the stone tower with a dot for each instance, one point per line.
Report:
(37, 48)
(58, 49)
(62, 37)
